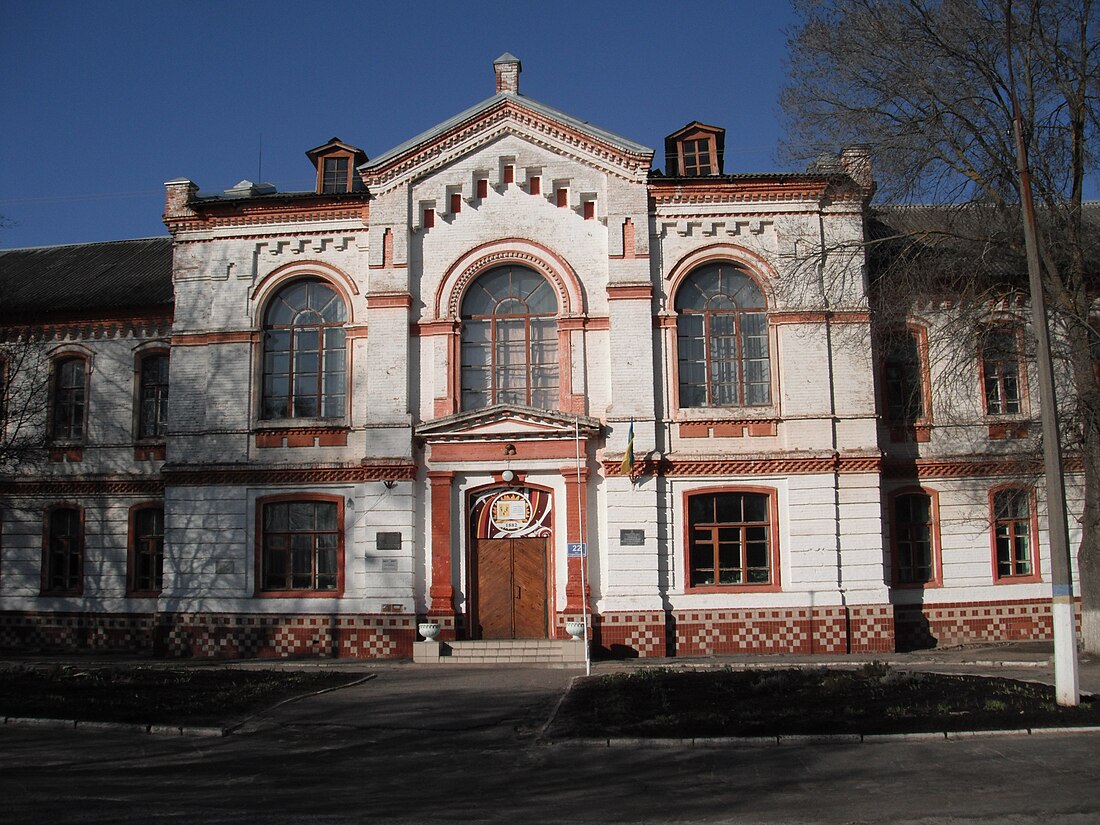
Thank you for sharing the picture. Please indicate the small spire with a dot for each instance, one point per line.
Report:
(507, 68)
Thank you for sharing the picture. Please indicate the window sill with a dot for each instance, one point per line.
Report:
(930, 585)
(298, 434)
(1008, 429)
(916, 431)
(732, 588)
(300, 594)
(154, 450)
(59, 452)
(763, 412)
(1010, 580)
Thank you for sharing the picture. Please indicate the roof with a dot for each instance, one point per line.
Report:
(584, 126)
(85, 278)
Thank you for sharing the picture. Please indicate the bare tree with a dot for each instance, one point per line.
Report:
(926, 84)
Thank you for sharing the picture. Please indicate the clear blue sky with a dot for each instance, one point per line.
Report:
(104, 101)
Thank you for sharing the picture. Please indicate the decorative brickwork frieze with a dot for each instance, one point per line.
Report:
(947, 625)
(837, 629)
(634, 634)
(216, 636)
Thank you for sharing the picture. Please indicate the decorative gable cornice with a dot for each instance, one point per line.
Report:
(507, 114)
(507, 422)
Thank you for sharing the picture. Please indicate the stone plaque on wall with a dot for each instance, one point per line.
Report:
(388, 541)
(632, 538)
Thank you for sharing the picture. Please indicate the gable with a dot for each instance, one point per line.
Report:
(501, 115)
(507, 422)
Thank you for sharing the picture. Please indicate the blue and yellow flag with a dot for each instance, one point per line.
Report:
(628, 457)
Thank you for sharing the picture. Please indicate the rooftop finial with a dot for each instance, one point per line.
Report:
(507, 68)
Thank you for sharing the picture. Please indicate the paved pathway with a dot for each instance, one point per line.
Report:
(420, 745)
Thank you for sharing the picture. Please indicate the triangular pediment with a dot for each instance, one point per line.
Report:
(503, 114)
(507, 422)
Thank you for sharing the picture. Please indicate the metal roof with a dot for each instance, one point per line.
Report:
(85, 279)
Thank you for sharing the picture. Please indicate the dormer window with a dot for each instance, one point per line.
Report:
(335, 162)
(696, 150)
(334, 175)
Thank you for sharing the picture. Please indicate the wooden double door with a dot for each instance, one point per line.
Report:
(511, 598)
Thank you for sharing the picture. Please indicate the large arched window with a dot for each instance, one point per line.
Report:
(722, 339)
(304, 353)
(510, 340)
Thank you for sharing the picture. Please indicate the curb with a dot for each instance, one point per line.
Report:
(811, 739)
(127, 727)
(209, 732)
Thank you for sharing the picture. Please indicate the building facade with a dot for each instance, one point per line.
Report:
(498, 370)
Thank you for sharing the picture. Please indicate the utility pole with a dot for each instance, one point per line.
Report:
(1066, 680)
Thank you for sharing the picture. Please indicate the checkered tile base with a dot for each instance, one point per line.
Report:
(213, 635)
(856, 629)
(282, 636)
(77, 631)
(948, 625)
(632, 635)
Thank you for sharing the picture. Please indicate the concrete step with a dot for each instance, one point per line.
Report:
(500, 651)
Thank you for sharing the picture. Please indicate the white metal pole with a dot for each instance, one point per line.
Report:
(584, 548)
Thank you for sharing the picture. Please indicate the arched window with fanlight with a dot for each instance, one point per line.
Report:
(722, 339)
(304, 359)
(510, 340)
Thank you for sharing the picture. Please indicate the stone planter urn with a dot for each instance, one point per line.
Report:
(575, 629)
(429, 630)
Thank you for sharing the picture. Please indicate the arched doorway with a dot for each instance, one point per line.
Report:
(510, 563)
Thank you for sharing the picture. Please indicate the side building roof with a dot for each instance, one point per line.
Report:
(85, 280)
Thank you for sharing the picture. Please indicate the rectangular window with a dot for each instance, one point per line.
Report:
(146, 550)
(589, 210)
(509, 173)
(153, 397)
(697, 157)
(69, 390)
(429, 218)
(562, 198)
(301, 546)
(1001, 370)
(334, 175)
(916, 559)
(1014, 534)
(730, 540)
(903, 374)
(456, 202)
(63, 553)
(482, 188)
(535, 185)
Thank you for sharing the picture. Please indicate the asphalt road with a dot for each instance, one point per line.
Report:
(421, 745)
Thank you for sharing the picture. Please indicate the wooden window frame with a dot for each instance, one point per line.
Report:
(161, 398)
(1017, 332)
(291, 419)
(138, 545)
(57, 399)
(774, 583)
(79, 552)
(1032, 521)
(935, 547)
(707, 314)
(696, 139)
(908, 428)
(291, 593)
(494, 320)
(349, 173)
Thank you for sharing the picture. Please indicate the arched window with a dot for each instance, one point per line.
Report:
(510, 340)
(304, 353)
(722, 339)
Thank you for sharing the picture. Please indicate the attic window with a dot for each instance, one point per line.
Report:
(695, 150)
(696, 156)
(335, 175)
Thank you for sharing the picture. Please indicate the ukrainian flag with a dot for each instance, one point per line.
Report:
(628, 457)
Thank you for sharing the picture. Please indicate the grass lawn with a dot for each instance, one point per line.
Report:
(154, 695)
(668, 703)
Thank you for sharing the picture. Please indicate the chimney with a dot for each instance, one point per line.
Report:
(507, 68)
(855, 161)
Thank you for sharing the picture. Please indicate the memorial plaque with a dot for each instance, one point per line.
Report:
(388, 541)
(632, 538)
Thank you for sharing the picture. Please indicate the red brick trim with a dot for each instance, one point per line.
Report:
(202, 339)
(629, 292)
(782, 465)
(212, 475)
(302, 437)
(65, 487)
(844, 316)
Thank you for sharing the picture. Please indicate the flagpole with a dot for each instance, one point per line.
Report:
(584, 547)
